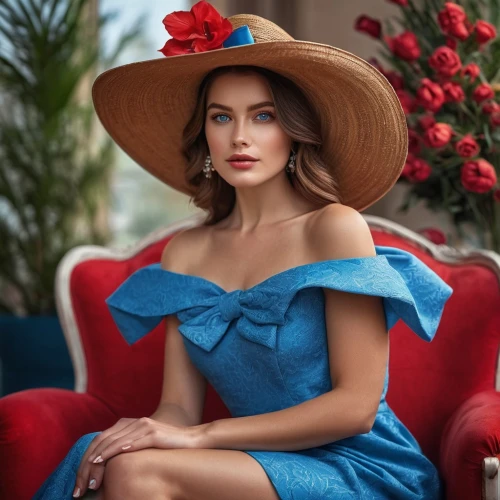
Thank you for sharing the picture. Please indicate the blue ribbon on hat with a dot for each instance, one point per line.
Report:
(239, 36)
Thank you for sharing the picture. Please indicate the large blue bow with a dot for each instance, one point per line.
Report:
(258, 314)
(411, 291)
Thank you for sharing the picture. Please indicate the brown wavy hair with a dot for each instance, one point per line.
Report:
(298, 119)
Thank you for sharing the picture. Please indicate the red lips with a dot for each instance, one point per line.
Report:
(241, 157)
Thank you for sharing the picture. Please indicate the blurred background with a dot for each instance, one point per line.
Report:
(64, 183)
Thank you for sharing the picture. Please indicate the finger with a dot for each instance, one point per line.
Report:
(110, 434)
(140, 442)
(128, 443)
(83, 471)
(96, 475)
(82, 479)
(89, 478)
(130, 430)
(84, 467)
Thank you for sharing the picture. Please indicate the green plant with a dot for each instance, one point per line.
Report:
(445, 59)
(54, 171)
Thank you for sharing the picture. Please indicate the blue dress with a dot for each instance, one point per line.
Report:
(265, 349)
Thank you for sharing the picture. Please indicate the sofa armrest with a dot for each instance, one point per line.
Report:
(471, 435)
(37, 429)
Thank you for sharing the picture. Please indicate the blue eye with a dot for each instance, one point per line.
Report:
(221, 115)
(217, 116)
(264, 113)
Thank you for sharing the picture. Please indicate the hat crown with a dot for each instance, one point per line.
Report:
(262, 29)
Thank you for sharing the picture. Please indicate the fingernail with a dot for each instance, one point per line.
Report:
(92, 484)
(126, 447)
(76, 493)
(98, 460)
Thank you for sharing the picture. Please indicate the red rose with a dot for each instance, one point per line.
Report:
(467, 147)
(402, 3)
(406, 169)
(483, 92)
(433, 234)
(199, 30)
(485, 31)
(471, 70)
(365, 24)
(488, 107)
(460, 30)
(451, 14)
(496, 195)
(451, 42)
(430, 95)
(413, 141)
(426, 121)
(416, 169)
(495, 118)
(404, 46)
(478, 176)
(407, 101)
(453, 92)
(395, 79)
(438, 135)
(453, 21)
(445, 61)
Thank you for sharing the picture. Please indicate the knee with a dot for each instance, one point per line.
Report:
(123, 473)
(131, 475)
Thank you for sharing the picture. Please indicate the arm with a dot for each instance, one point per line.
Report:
(309, 424)
(184, 387)
(358, 355)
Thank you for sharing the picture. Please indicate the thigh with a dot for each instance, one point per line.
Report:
(213, 474)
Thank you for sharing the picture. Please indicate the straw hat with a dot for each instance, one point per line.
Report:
(144, 106)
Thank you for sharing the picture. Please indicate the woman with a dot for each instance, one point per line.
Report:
(280, 300)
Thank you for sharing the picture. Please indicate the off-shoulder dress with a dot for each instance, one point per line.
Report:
(265, 349)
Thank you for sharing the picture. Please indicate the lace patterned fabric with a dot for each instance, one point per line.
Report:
(272, 340)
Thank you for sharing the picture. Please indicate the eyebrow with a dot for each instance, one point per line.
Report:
(249, 108)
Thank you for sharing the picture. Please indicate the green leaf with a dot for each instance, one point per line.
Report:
(487, 136)
(51, 181)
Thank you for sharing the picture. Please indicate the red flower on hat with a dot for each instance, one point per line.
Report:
(199, 30)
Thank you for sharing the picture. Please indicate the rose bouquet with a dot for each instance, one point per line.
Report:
(444, 60)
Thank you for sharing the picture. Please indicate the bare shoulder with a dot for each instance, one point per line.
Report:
(340, 232)
(178, 252)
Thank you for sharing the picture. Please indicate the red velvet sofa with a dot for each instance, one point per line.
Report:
(445, 392)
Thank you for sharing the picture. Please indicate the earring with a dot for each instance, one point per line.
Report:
(291, 163)
(208, 168)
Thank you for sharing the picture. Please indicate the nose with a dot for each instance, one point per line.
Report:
(240, 137)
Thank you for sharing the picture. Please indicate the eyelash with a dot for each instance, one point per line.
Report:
(261, 113)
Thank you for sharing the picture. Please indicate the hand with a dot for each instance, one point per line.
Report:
(134, 433)
(87, 472)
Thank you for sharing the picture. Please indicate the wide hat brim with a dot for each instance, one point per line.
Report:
(144, 106)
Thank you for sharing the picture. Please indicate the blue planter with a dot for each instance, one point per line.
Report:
(33, 353)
